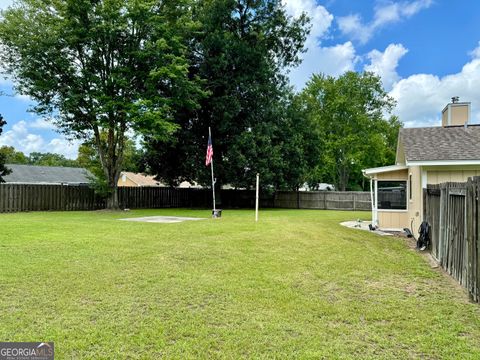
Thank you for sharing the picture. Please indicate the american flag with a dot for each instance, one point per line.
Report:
(208, 158)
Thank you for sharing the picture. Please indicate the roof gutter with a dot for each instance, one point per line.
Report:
(442, 162)
(384, 169)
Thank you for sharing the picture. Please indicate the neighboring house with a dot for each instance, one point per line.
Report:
(431, 155)
(53, 175)
(135, 180)
(138, 180)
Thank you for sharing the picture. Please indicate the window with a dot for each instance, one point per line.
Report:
(392, 195)
(410, 187)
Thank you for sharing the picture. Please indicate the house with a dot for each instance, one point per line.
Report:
(430, 155)
(138, 180)
(52, 175)
(131, 179)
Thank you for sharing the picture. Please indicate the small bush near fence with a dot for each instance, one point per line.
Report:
(15, 197)
(452, 209)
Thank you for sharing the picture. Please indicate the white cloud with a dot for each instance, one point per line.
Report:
(334, 61)
(352, 26)
(31, 143)
(421, 97)
(65, 147)
(385, 64)
(5, 3)
(320, 18)
(387, 13)
(23, 136)
(5, 80)
(42, 123)
(23, 97)
(20, 127)
(475, 53)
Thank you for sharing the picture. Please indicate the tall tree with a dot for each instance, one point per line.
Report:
(3, 169)
(88, 158)
(13, 156)
(241, 51)
(102, 66)
(349, 113)
(50, 159)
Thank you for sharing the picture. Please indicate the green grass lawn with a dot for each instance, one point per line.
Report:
(295, 285)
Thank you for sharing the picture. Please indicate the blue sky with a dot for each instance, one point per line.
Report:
(425, 51)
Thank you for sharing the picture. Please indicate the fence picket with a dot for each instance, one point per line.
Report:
(452, 209)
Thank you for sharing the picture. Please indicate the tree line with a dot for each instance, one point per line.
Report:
(167, 71)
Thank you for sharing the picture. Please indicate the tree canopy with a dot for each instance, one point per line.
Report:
(349, 113)
(13, 156)
(102, 66)
(88, 158)
(3, 169)
(241, 52)
(169, 70)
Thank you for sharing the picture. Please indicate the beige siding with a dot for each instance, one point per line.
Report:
(445, 117)
(392, 219)
(415, 203)
(459, 115)
(393, 175)
(127, 182)
(438, 177)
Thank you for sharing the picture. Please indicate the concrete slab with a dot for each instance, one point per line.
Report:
(363, 225)
(162, 219)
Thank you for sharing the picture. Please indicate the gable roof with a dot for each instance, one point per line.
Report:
(141, 179)
(454, 143)
(31, 174)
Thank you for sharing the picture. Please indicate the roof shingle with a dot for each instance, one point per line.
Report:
(441, 143)
(30, 174)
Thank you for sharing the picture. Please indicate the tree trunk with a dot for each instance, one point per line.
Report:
(111, 158)
(112, 200)
(343, 175)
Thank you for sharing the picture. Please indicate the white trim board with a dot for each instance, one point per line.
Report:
(443, 163)
(384, 169)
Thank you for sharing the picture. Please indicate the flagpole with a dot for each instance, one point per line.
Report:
(213, 180)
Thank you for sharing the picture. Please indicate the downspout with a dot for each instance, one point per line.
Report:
(372, 201)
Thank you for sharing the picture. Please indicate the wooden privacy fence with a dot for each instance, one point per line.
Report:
(326, 200)
(452, 211)
(162, 197)
(16, 197)
(19, 197)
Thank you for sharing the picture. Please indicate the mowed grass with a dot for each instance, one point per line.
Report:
(295, 285)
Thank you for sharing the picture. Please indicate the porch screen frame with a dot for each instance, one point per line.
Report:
(377, 195)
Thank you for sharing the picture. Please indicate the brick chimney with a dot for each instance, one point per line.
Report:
(456, 113)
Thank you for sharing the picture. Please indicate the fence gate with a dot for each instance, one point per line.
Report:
(455, 244)
(432, 215)
(452, 209)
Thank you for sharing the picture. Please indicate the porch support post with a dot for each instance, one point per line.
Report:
(376, 202)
